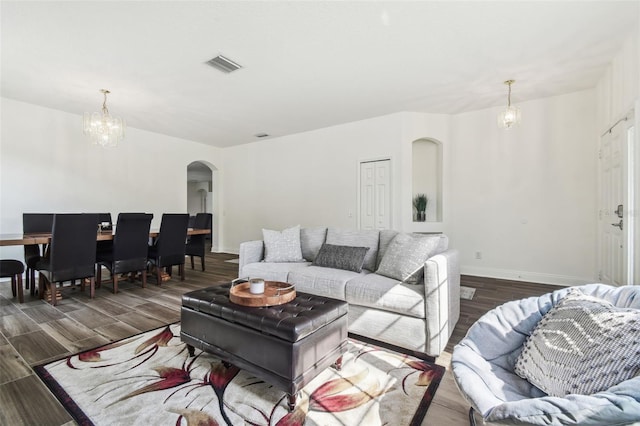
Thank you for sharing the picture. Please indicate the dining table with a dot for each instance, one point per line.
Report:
(22, 239)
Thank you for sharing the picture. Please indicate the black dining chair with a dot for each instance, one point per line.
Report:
(34, 223)
(196, 243)
(169, 247)
(72, 254)
(13, 269)
(129, 252)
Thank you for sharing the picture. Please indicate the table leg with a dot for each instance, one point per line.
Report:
(291, 401)
(338, 364)
(192, 350)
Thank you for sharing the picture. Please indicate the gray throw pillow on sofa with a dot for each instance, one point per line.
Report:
(405, 256)
(357, 238)
(341, 257)
(282, 246)
(583, 345)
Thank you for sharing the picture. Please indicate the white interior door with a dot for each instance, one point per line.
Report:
(375, 195)
(616, 194)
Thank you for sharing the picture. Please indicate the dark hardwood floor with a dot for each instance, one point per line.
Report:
(34, 332)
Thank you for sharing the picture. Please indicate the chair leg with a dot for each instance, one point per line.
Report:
(27, 281)
(144, 278)
(92, 287)
(52, 291)
(191, 261)
(40, 286)
(20, 291)
(98, 275)
(202, 262)
(181, 270)
(115, 283)
(159, 275)
(13, 285)
(33, 281)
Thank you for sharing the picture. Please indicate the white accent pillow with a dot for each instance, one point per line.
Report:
(405, 256)
(282, 246)
(583, 345)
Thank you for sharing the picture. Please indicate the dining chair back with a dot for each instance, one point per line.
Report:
(202, 221)
(72, 252)
(169, 247)
(34, 223)
(129, 253)
(196, 243)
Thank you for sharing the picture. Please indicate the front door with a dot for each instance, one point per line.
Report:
(615, 225)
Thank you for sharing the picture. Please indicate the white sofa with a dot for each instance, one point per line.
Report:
(419, 317)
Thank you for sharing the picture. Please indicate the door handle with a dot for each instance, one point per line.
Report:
(619, 225)
(619, 211)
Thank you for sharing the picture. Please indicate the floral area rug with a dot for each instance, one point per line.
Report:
(149, 379)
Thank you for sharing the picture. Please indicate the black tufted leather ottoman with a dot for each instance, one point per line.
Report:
(285, 345)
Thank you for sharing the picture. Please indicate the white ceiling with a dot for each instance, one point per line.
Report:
(307, 64)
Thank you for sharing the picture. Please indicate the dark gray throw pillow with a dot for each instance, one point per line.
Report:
(341, 257)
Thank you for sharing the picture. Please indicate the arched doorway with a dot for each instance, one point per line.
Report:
(203, 195)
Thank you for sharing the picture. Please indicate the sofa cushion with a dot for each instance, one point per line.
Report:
(357, 238)
(320, 281)
(341, 257)
(583, 345)
(386, 236)
(282, 246)
(311, 239)
(377, 291)
(272, 271)
(405, 257)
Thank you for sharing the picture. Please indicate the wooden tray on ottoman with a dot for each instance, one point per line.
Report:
(275, 293)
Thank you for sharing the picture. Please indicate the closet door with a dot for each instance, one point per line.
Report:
(375, 195)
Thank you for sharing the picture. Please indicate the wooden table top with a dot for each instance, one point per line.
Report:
(45, 238)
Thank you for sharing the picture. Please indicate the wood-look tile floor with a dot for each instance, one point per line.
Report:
(35, 332)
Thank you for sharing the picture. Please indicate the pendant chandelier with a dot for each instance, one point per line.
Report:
(102, 128)
(511, 114)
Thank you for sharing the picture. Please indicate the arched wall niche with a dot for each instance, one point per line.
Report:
(426, 154)
(203, 194)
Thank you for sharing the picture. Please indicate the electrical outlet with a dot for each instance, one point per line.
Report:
(478, 255)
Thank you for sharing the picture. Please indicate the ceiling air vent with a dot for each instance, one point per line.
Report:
(223, 64)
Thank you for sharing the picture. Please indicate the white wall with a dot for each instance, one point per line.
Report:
(542, 172)
(308, 179)
(525, 197)
(311, 178)
(47, 165)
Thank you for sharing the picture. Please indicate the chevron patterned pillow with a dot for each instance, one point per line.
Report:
(583, 345)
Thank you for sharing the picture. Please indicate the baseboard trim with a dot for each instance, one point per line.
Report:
(224, 250)
(533, 277)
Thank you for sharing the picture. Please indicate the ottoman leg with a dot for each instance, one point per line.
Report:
(192, 350)
(291, 401)
(338, 364)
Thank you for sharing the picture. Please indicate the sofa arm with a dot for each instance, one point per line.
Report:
(250, 252)
(442, 298)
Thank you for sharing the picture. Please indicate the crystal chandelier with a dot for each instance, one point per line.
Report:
(102, 128)
(511, 114)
